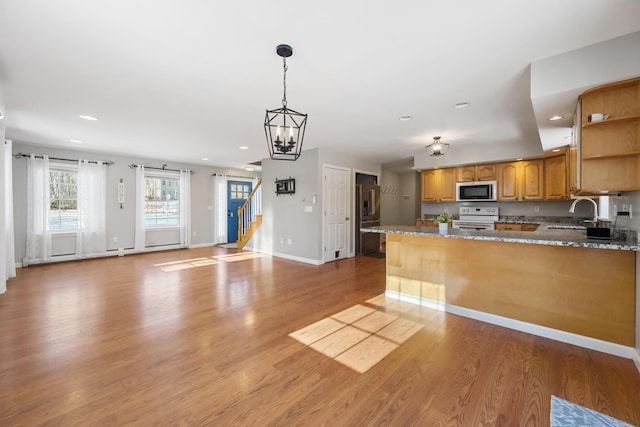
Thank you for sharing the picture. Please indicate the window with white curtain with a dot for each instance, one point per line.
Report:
(63, 198)
(161, 201)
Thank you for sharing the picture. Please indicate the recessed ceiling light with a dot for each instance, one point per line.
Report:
(556, 117)
(243, 147)
(567, 137)
(249, 169)
(205, 158)
(519, 160)
(91, 118)
(555, 150)
(461, 105)
(405, 118)
(76, 141)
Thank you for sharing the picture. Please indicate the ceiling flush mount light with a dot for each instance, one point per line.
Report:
(461, 105)
(556, 117)
(283, 127)
(438, 148)
(243, 147)
(75, 141)
(405, 118)
(90, 118)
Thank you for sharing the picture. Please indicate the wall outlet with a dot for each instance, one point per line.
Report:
(282, 240)
(289, 241)
(115, 239)
(194, 233)
(536, 208)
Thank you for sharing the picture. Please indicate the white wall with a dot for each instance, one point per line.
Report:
(284, 216)
(120, 222)
(3, 240)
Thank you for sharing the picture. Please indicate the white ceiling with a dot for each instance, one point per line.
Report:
(182, 80)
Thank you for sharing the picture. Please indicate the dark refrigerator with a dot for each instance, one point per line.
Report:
(367, 215)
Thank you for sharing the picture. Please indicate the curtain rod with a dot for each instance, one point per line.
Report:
(38, 156)
(163, 168)
(236, 176)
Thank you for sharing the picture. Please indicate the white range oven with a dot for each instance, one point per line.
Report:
(476, 218)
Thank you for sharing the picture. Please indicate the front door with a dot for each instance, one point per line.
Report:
(237, 193)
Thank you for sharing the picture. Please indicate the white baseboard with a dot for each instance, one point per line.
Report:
(286, 256)
(518, 325)
(201, 245)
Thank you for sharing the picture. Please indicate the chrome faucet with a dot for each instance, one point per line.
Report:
(595, 208)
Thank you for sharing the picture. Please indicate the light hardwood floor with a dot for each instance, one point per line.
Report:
(201, 337)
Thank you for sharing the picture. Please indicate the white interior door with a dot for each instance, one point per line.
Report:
(336, 213)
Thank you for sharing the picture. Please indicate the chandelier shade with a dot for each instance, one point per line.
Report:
(284, 127)
(437, 148)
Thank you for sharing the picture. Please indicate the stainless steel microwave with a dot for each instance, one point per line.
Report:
(480, 191)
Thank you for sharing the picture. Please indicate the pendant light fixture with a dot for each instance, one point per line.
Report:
(284, 127)
(437, 148)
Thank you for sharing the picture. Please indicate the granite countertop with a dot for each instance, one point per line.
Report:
(542, 236)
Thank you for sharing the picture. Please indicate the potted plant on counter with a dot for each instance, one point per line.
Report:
(443, 222)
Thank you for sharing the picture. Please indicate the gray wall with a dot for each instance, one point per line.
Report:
(400, 199)
(120, 222)
(284, 216)
(390, 197)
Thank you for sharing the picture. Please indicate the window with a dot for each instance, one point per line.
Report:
(63, 207)
(161, 202)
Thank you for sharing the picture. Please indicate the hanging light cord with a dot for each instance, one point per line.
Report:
(284, 82)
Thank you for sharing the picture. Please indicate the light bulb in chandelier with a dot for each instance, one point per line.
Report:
(437, 148)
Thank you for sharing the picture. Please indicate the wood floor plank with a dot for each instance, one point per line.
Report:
(201, 337)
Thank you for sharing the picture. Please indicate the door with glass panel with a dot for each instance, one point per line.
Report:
(237, 193)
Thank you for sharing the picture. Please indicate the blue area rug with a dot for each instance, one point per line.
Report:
(567, 414)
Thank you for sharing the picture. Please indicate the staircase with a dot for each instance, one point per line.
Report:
(250, 216)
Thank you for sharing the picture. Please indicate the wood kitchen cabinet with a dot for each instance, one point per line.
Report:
(516, 227)
(556, 175)
(503, 226)
(610, 148)
(472, 173)
(439, 185)
(523, 180)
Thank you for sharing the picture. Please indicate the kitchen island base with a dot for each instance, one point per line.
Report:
(584, 291)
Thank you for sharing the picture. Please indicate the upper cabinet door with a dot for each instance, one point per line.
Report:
(555, 178)
(466, 173)
(486, 172)
(429, 186)
(508, 181)
(532, 179)
(447, 185)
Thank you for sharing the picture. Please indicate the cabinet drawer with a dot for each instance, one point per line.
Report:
(509, 227)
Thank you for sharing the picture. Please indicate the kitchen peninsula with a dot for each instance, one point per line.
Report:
(550, 282)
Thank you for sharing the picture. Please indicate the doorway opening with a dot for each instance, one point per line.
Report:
(237, 193)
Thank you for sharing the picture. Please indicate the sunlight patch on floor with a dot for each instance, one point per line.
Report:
(361, 336)
(201, 262)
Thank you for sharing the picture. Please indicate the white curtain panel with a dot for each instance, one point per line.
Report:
(185, 208)
(8, 218)
(220, 209)
(91, 238)
(38, 232)
(139, 238)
